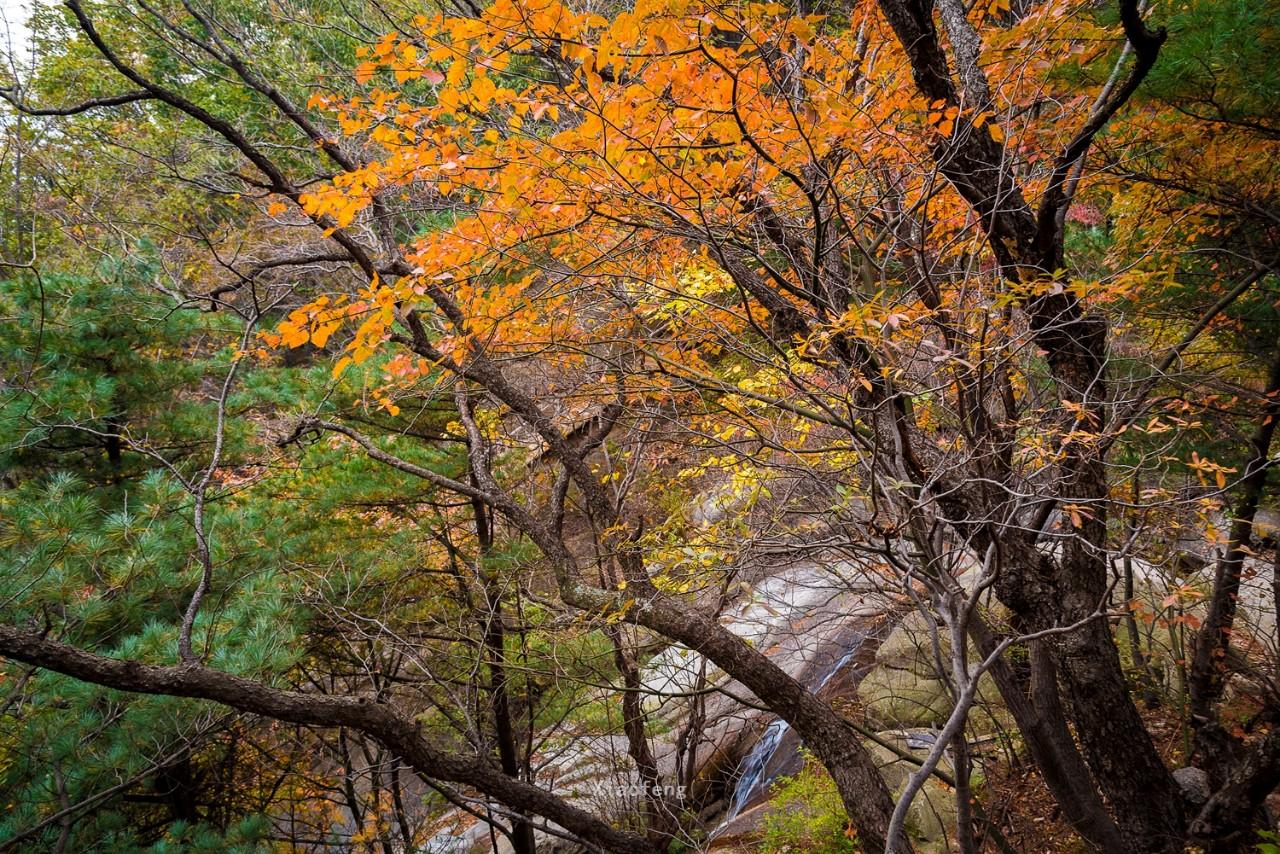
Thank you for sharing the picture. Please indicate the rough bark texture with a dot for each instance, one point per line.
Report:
(1044, 729)
(1232, 807)
(1042, 591)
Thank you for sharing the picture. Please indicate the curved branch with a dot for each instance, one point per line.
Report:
(401, 734)
(395, 462)
(1146, 48)
(278, 181)
(12, 96)
(315, 256)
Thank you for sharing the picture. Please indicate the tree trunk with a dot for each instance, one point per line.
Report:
(1044, 592)
(1230, 811)
(522, 839)
(1044, 730)
(1144, 798)
(1214, 638)
(633, 724)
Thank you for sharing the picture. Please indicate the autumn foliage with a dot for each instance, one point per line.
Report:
(536, 338)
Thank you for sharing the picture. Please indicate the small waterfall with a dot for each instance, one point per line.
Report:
(752, 779)
(753, 768)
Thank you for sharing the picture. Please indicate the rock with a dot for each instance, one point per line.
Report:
(1255, 625)
(1272, 806)
(931, 820)
(902, 698)
(909, 646)
(1266, 525)
(717, 504)
(1194, 783)
(543, 842)
(904, 688)
(893, 767)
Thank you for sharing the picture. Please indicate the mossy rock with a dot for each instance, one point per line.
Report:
(902, 698)
(893, 767)
(904, 688)
(909, 646)
(931, 820)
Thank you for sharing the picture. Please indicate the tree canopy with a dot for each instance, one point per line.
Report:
(500, 425)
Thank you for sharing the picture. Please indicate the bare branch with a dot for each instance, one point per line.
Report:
(14, 97)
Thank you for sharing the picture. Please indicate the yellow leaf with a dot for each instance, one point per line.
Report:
(320, 336)
(292, 335)
(457, 72)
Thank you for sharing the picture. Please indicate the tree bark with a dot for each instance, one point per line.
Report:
(1048, 740)
(1213, 640)
(522, 838)
(1043, 591)
(633, 724)
(1233, 806)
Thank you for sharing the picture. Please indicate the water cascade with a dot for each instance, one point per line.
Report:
(752, 777)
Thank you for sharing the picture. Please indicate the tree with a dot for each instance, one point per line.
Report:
(826, 248)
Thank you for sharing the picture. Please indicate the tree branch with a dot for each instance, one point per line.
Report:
(1146, 47)
(15, 99)
(398, 733)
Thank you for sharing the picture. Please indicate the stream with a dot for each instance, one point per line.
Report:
(763, 765)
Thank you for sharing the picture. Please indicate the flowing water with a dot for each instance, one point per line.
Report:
(753, 777)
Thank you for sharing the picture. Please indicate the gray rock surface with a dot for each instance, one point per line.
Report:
(1194, 783)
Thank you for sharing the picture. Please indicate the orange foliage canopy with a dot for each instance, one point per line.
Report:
(605, 176)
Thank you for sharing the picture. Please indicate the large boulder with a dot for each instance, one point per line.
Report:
(931, 820)
(910, 646)
(903, 698)
(905, 688)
